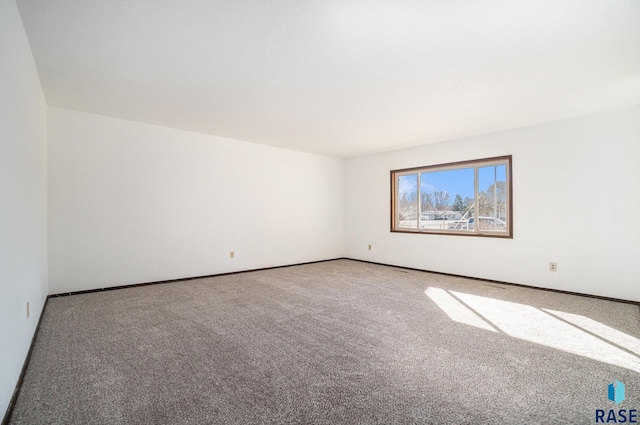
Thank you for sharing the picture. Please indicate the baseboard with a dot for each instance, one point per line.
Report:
(559, 291)
(184, 279)
(16, 390)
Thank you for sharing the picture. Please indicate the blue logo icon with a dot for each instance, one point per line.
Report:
(616, 392)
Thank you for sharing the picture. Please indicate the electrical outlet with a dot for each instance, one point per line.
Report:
(27, 309)
(232, 254)
(553, 267)
(369, 247)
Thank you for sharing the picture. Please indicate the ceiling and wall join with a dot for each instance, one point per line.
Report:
(337, 78)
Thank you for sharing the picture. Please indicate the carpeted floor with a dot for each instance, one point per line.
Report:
(329, 343)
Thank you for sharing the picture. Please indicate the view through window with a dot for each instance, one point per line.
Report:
(467, 198)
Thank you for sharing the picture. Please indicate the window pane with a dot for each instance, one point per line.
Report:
(446, 199)
(492, 198)
(408, 201)
(467, 198)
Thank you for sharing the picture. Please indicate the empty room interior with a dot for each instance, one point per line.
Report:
(319, 212)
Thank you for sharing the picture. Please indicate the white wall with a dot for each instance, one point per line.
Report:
(576, 202)
(23, 210)
(132, 202)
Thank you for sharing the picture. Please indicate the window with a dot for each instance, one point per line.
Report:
(471, 198)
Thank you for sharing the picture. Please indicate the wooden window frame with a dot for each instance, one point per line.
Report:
(476, 163)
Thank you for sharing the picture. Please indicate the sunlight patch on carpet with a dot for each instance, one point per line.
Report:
(603, 331)
(541, 326)
(456, 310)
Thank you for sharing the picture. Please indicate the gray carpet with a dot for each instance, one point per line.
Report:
(326, 343)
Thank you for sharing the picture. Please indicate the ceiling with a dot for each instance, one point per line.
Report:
(342, 78)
